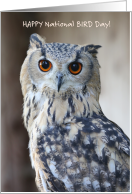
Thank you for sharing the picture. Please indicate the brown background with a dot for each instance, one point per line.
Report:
(16, 172)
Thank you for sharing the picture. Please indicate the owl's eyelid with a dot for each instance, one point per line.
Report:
(42, 58)
(76, 61)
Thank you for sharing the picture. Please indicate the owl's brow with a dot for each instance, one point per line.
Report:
(78, 56)
(43, 50)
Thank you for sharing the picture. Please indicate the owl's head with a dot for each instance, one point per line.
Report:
(60, 67)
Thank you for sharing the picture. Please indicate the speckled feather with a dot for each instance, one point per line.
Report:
(73, 146)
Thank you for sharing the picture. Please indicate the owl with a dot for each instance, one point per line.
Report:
(73, 146)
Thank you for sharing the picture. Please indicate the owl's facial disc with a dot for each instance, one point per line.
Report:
(59, 77)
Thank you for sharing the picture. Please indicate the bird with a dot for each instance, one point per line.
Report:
(73, 146)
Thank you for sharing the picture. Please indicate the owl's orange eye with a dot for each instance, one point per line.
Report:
(45, 65)
(75, 68)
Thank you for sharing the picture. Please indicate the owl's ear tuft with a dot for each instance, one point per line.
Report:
(92, 49)
(36, 41)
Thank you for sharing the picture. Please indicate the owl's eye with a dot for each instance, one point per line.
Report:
(45, 65)
(75, 68)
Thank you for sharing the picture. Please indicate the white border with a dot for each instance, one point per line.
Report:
(130, 103)
(130, 134)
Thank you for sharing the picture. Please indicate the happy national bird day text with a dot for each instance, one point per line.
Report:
(78, 24)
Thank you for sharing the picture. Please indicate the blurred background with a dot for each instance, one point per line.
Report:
(16, 172)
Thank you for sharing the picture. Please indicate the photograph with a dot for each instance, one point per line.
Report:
(65, 102)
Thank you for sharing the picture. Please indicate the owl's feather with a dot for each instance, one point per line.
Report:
(84, 155)
(73, 146)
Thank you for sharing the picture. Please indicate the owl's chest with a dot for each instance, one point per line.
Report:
(60, 149)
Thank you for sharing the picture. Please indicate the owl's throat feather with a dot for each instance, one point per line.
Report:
(69, 104)
(49, 108)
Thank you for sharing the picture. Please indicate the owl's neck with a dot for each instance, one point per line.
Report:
(51, 107)
(61, 105)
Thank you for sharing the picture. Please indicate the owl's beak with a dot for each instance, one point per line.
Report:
(59, 77)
